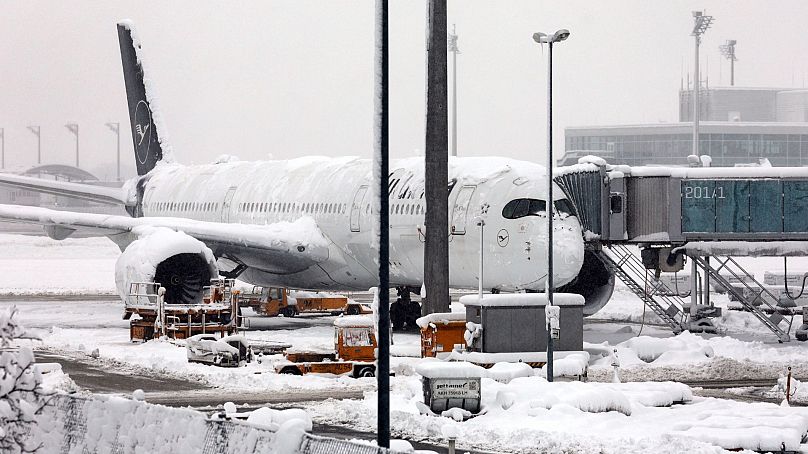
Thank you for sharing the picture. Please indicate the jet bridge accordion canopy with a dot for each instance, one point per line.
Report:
(676, 205)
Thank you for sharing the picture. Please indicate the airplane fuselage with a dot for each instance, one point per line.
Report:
(338, 194)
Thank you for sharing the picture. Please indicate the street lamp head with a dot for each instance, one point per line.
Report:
(561, 35)
(540, 37)
(544, 38)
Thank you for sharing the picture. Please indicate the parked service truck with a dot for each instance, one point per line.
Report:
(274, 301)
(354, 352)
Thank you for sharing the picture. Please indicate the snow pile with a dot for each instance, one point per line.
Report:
(443, 369)
(572, 365)
(346, 321)
(686, 348)
(530, 414)
(582, 396)
(115, 424)
(765, 428)
(505, 372)
(522, 299)
(439, 318)
(273, 419)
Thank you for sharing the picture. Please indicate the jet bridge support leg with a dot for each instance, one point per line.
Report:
(653, 293)
(753, 296)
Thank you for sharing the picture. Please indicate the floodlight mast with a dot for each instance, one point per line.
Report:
(543, 38)
(454, 50)
(728, 51)
(700, 25)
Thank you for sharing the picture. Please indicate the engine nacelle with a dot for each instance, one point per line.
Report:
(594, 282)
(180, 263)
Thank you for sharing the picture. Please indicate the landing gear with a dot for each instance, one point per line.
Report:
(404, 312)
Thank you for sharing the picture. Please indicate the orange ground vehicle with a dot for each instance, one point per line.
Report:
(440, 333)
(216, 313)
(274, 301)
(354, 352)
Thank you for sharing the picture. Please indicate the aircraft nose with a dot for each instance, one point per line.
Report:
(568, 252)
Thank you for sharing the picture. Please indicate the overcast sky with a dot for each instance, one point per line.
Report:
(293, 78)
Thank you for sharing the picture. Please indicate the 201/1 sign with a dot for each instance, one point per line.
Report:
(704, 192)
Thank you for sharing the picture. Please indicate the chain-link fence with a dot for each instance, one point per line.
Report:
(114, 425)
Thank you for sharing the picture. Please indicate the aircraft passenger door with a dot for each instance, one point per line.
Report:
(461, 210)
(356, 208)
(228, 197)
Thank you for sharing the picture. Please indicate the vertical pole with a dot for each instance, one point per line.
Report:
(436, 249)
(696, 99)
(118, 132)
(694, 288)
(705, 289)
(77, 146)
(732, 68)
(480, 284)
(454, 92)
(382, 170)
(38, 145)
(549, 207)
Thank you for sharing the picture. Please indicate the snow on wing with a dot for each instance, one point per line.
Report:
(286, 246)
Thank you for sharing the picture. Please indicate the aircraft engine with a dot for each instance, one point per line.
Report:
(594, 282)
(180, 263)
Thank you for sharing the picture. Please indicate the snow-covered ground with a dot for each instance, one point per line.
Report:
(536, 419)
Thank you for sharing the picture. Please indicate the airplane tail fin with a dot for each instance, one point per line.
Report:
(148, 145)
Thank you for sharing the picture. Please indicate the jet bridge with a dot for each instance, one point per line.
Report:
(709, 214)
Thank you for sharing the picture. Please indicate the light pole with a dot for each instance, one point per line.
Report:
(36, 131)
(74, 128)
(700, 25)
(728, 51)
(454, 50)
(543, 38)
(116, 128)
(481, 222)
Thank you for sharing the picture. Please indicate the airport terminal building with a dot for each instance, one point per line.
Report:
(738, 126)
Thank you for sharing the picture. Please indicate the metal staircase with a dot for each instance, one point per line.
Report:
(629, 268)
(753, 287)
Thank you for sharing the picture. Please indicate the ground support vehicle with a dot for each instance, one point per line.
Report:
(441, 333)
(274, 301)
(229, 351)
(216, 313)
(354, 351)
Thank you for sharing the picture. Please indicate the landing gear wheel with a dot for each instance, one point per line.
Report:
(397, 316)
(289, 311)
(366, 371)
(291, 370)
(352, 310)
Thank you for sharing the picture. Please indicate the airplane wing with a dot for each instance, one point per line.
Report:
(101, 194)
(283, 247)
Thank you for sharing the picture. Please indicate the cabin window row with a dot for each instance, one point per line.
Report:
(184, 206)
(292, 207)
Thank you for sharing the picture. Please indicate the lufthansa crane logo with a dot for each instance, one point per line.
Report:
(502, 238)
(143, 131)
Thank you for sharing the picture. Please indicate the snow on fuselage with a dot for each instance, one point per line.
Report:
(337, 193)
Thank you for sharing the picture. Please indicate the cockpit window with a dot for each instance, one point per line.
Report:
(564, 206)
(519, 208)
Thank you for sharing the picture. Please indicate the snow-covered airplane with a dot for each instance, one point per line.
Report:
(306, 223)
